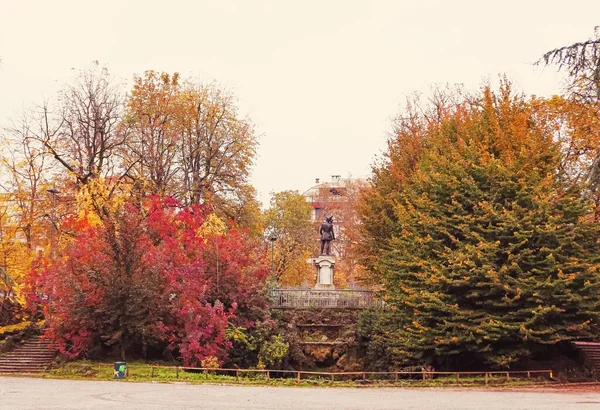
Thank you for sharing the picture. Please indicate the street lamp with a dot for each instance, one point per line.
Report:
(273, 238)
(53, 192)
(217, 249)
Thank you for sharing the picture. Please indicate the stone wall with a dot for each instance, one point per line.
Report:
(321, 338)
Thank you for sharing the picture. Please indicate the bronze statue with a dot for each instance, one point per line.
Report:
(327, 235)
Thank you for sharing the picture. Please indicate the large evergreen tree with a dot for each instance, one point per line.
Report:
(489, 253)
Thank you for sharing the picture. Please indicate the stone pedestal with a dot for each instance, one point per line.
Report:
(324, 265)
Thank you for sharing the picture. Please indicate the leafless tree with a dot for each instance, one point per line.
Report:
(83, 135)
(84, 132)
(25, 170)
(582, 63)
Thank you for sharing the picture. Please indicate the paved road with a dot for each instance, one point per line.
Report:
(25, 393)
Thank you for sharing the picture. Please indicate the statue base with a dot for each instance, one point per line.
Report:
(324, 265)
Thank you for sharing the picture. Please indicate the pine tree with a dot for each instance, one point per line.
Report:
(492, 254)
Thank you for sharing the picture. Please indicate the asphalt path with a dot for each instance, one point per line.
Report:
(32, 393)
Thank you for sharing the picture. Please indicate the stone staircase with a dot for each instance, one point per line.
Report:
(592, 352)
(35, 356)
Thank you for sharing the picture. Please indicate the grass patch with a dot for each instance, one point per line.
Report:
(138, 371)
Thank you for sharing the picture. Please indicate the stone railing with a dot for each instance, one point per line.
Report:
(323, 299)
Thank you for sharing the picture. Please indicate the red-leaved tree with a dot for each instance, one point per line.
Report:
(148, 278)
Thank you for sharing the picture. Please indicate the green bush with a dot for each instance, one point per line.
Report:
(272, 352)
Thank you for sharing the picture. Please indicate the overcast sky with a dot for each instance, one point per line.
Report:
(320, 79)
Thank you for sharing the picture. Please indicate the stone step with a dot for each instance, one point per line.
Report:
(34, 356)
(36, 344)
(29, 353)
(17, 356)
(591, 351)
(22, 370)
(25, 371)
(23, 365)
(20, 358)
(21, 353)
(48, 358)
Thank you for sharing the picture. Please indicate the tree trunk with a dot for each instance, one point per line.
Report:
(122, 346)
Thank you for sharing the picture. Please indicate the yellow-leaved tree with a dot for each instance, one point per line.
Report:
(294, 240)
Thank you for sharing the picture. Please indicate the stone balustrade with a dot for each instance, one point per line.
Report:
(323, 299)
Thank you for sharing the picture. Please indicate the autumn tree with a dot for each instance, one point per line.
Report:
(152, 147)
(410, 137)
(288, 220)
(492, 256)
(25, 170)
(189, 141)
(140, 281)
(168, 137)
(217, 147)
(25, 223)
(11, 272)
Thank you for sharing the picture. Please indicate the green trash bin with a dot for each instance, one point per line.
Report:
(120, 370)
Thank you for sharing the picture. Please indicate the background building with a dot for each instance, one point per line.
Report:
(339, 197)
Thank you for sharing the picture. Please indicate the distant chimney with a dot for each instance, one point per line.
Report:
(316, 180)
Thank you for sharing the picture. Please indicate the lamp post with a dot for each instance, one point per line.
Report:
(217, 249)
(53, 192)
(273, 238)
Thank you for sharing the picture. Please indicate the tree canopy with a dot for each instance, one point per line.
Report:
(288, 221)
(155, 277)
(484, 248)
